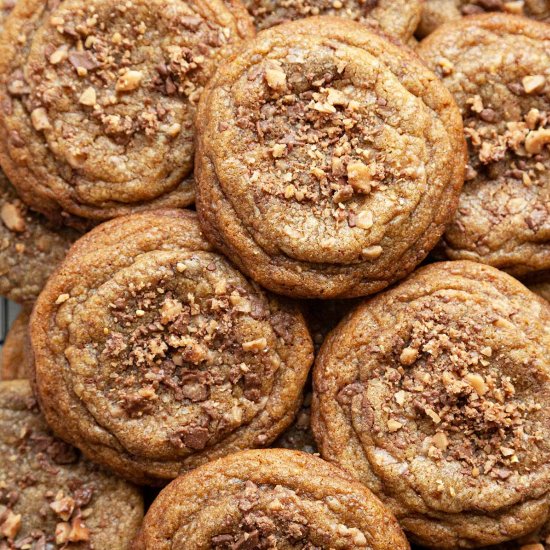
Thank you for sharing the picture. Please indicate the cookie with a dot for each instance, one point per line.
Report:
(30, 247)
(154, 354)
(268, 499)
(438, 12)
(396, 18)
(50, 497)
(15, 361)
(99, 98)
(327, 170)
(498, 68)
(436, 395)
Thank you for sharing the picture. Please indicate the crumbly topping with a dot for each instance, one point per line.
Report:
(65, 509)
(197, 351)
(447, 382)
(321, 136)
(271, 517)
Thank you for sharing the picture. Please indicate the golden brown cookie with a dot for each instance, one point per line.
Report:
(397, 18)
(438, 12)
(50, 497)
(30, 247)
(327, 170)
(436, 395)
(99, 98)
(498, 68)
(266, 499)
(154, 354)
(15, 361)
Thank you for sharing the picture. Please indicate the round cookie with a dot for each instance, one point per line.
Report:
(498, 68)
(396, 18)
(268, 499)
(50, 497)
(436, 395)
(30, 247)
(438, 12)
(153, 354)
(15, 361)
(99, 98)
(328, 170)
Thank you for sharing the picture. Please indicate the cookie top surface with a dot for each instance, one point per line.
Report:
(323, 159)
(498, 69)
(50, 497)
(397, 18)
(436, 395)
(160, 355)
(98, 99)
(272, 498)
(30, 247)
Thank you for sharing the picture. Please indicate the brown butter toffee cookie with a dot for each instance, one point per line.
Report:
(50, 497)
(438, 12)
(98, 99)
(328, 159)
(268, 499)
(154, 354)
(15, 358)
(30, 247)
(498, 68)
(436, 395)
(396, 18)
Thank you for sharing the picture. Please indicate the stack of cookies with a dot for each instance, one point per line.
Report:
(284, 271)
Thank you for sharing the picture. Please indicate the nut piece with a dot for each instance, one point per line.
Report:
(478, 383)
(533, 84)
(62, 531)
(59, 55)
(440, 441)
(408, 356)
(12, 218)
(359, 177)
(129, 81)
(79, 532)
(394, 425)
(515, 7)
(39, 119)
(88, 97)
(11, 525)
(255, 345)
(62, 298)
(63, 506)
(535, 141)
(276, 79)
(364, 219)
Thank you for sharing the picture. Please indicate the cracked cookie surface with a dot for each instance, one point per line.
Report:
(328, 159)
(160, 355)
(436, 395)
(268, 499)
(98, 100)
(498, 69)
(50, 497)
